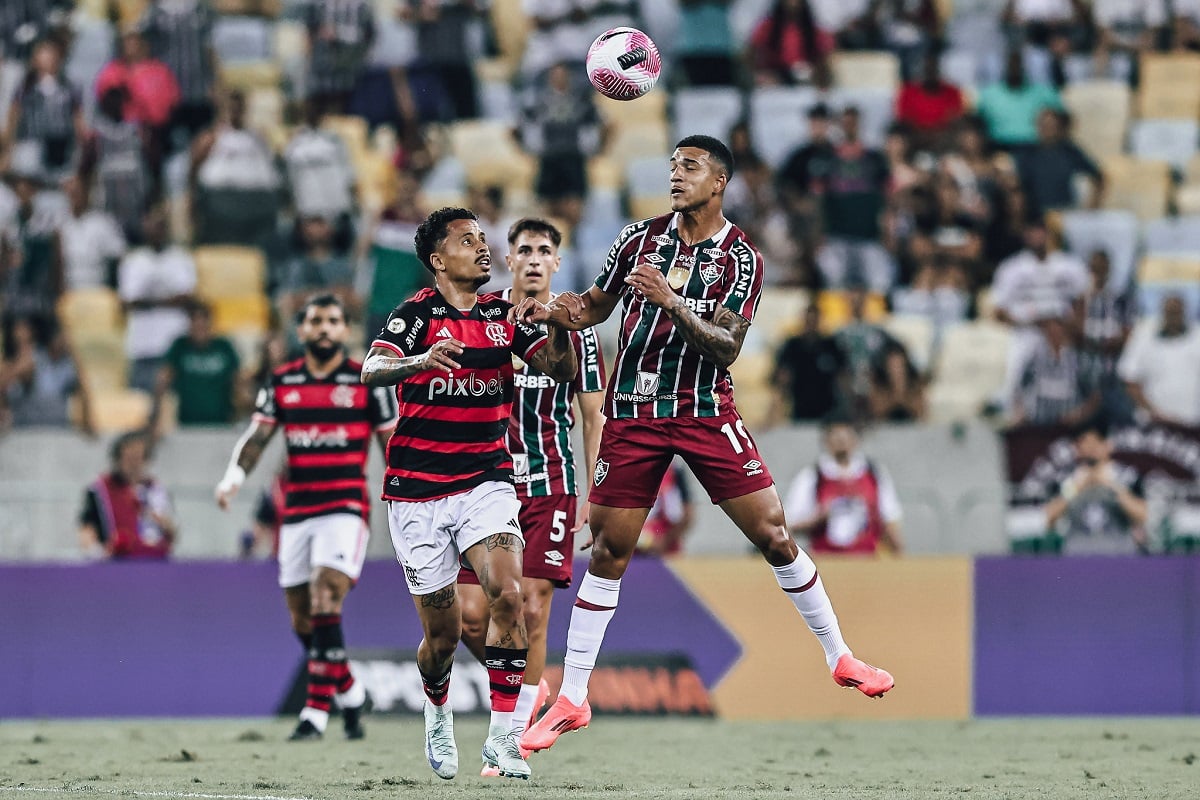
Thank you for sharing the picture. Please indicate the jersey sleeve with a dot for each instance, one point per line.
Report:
(382, 408)
(745, 286)
(404, 331)
(265, 409)
(591, 377)
(619, 263)
(89, 514)
(527, 340)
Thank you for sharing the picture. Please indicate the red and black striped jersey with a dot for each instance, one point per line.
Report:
(543, 415)
(450, 437)
(657, 373)
(327, 426)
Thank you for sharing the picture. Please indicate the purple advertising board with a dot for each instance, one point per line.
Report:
(1087, 635)
(213, 639)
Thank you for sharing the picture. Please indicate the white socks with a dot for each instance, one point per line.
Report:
(799, 580)
(354, 697)
(598, 597)
(525, 701)
(316, 716)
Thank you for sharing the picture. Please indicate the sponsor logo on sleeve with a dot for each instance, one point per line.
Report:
(396, 325)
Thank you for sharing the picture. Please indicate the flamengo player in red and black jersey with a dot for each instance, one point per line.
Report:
(689, 284)
(328, 419)
(539, 440)
(449, 475)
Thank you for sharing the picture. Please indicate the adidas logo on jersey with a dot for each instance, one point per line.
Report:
(444, 333)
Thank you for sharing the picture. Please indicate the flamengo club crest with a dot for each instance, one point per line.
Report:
(497, 333)
(342, 396)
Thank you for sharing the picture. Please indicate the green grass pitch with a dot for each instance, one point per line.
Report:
(615, 758)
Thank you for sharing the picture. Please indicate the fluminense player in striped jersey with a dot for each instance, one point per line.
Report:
(539, 439)
(688, 283)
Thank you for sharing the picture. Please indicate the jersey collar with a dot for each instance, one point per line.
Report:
(712, 241)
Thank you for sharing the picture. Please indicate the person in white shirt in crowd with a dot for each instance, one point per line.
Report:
(156, 284)
(92, 242)
(1126, 28)
(845, 503)
(1161, 368)
(1028, 285)
(563, 30)
(319, 171)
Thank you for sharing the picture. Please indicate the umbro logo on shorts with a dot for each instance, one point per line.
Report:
(753, 467)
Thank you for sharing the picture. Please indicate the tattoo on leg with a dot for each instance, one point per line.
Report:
(441, 599)
(503, 541)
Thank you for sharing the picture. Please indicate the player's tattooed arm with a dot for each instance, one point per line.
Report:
(382, 367)
(245, 456)
(719, 340)
(557, 357)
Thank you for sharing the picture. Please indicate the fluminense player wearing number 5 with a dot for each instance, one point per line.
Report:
(689, 283)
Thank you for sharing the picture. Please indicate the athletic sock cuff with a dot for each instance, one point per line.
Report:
(322, 620)
(797, 576)
(602, 592)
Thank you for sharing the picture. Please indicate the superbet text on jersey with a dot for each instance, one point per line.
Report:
(657, 373)
(450, 437)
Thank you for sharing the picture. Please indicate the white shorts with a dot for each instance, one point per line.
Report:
(431, 535)
(336, 541)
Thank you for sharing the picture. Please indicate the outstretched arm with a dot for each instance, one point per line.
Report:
(383, 367)
(719, 339)
(569, 311)
(557, 357)
(246, 453)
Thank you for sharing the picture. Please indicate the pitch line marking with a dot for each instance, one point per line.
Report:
(134, 793)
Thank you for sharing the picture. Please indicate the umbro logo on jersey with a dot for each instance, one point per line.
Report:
(654, 258)
(753, 467)
(601, 471)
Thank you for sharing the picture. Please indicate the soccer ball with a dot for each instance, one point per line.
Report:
(623, 64)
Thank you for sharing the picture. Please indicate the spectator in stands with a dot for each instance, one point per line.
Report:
(179, 33)
(235, 183)
(153, 91)
(845, 503)
(752, 203)
(22, 26)
(863, 344)
(853, 210)
(1048, 169)
(929, 105)
(909, 28)
(319, 171)
(40, 375)
(446, 45)
(488, 204)
(31, 267)
(897, 388)
(562, 128)
(1010, 108)
(903, 170)
(156, 284)
(1185, 25)
(804, 177)
(1161, 368)
(1054, 388)
(705, 46)
(1126, 28)
(947, 246)
(1055, 27)
(1108, 319)
(46, 110)
(1100, 507)
(316, 265)
(787, 47)
(557, 34)
(127, 514)
(92, 241)
(389, 270)
(117, 160)
(810, 373)
(670, 518)
(202, 370)
(340, 35)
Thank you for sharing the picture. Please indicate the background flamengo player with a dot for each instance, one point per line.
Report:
(689, 283)
(539, 439)
(449, 476)
(328, 419)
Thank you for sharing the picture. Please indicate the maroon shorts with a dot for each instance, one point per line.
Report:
(634, 454)
(546, 524)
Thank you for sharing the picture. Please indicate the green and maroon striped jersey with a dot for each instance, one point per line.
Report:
(657, 374)
(543, 414)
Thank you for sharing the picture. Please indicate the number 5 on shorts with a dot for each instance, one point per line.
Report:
(727, 429)
(558, 526)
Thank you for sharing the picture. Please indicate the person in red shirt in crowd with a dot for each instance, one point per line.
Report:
(787, 47)
(670, 517)
(929, 105)
(153, 89)
(127, 514)
(845, 503)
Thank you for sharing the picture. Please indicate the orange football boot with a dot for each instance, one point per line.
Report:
(871, 681)
(563, 717)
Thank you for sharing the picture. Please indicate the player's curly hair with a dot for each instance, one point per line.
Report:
(433, 231)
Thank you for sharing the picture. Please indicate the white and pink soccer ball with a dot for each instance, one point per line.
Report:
(623, 64)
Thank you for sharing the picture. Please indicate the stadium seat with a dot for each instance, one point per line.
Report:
(87, 311)
(261, 8)
(1170, 140)
(489, 156)
(604, 175)
(916, 333)
(1187, 199)
(652, 109)
(102, 358)
(835, 309)
(969, 370)
(1114, 230)
(1100, 110)
(243, 313)
(377, 182)
(250, 75)
(648, 205)
(354, 134)
(1169, 269)
(709, 111)
(229, 271)
(781, 313)
(129, 12)
(264, 111)
(119, 410)
(238, 39)
(1170, 86)
(865, 70)
(961, 67)
(1172, 235)
(778, 123)
(511, 26)
(634, 140)
(1151, 295)
(1136, 185)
